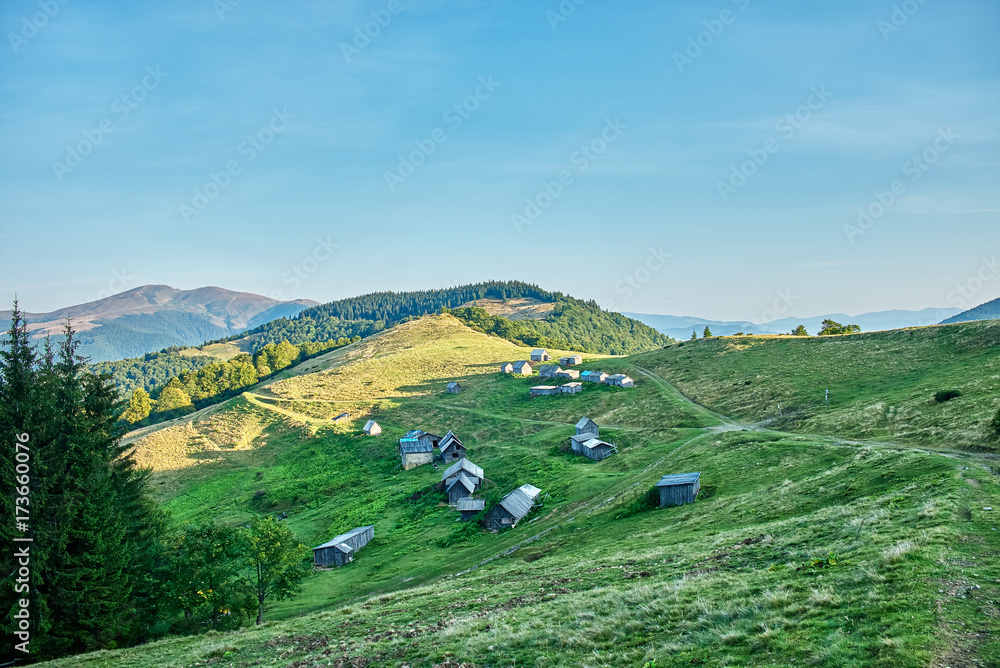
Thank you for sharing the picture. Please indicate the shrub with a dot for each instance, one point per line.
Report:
(946, 395)
(994, 427)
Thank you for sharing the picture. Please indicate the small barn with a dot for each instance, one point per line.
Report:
(569, 374)
(540, 355)
(593, 376)
(417, 448)
(619, 380)
(454, 388)
(469, 508)
(543, 390)
(461, 486)
(512, 508)
(372, 429)
(571, 388)
(587, 426)
(506, 367)
(460, 467)
(594, 448)
(548, 371)
(451, 448)
(522, 368)
(571, 360)
(679, 488)
(341, 417)
(342, 549)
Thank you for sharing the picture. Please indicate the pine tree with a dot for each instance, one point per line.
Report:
(694, 335)
(707, 333)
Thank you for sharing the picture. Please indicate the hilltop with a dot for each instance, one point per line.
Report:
(988, 311)
(152, 317)
(801, 547)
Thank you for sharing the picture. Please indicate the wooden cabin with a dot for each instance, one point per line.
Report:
(459, 467)
(544, 390)
(569, 374)
(462, 486)
(372, 429)
(571, 360)
(512, 508)
(587, 426)
(451, 448)
(506, 367)
(417, 448)
(571, 388)
(522, 368)
(548, 371)
(341, 550)
(469, 508)
(540, 355)
(679, 488)
(341, 417)
(453, 388)
(619, 380)
(593, 376)
(592, 447)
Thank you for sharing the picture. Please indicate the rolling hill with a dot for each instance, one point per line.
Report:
(803, 548)
(153, 317)
(988, 311)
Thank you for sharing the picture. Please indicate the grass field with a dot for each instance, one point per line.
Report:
(801, 549)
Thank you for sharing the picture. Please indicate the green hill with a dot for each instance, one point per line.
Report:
(882, 384)
(988, 311)
(563, 322)
(801, 550)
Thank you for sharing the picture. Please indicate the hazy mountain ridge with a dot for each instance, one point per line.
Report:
(153, 317)
(680, 327)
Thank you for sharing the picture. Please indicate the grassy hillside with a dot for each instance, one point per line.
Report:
(801, 550)
(882, 384)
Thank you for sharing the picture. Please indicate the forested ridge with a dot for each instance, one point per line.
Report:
(573, 324)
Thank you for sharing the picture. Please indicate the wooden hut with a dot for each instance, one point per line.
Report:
(619, 380)
(593, 448)
(571, 360)
(506, 367)
(417, 447)
(548, 371)
(593, 376)
(569, 374)
(540, 355)
(451, 448)
(342, 549)
(469, 508)
(462, 466)
(372, 429)
(543, 390)
(587, 426)
(341, 417)
(522, 368)
(454, 388)
(679, 488)
(571, 388)
(462, 486)
(512, 508)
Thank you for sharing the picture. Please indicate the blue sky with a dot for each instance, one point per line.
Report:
(643, 109)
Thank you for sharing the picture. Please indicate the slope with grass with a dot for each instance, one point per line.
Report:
(883, 385)
(801, 550)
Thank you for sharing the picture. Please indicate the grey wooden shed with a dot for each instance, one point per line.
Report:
(512, 508)
(469, 507)
(587, 426)
(542, 390)
(454, 388)
(342, 548)
(506, 367)
(452, 448)
(372, 428)
(540, 355)
(461, 486)
(522, 368)
(679, 488)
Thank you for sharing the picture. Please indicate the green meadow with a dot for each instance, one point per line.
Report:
(820, 538)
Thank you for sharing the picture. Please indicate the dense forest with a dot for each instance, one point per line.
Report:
(573, 324)
(93, 563)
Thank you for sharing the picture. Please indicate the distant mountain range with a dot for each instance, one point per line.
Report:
(988, 311)
(153, 317)
(680, 327)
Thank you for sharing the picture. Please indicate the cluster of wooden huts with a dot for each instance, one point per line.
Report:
(417, 448)
(587, 442)
(556, 372)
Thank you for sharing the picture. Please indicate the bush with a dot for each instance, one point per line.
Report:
(946, 395)
(994, 427)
